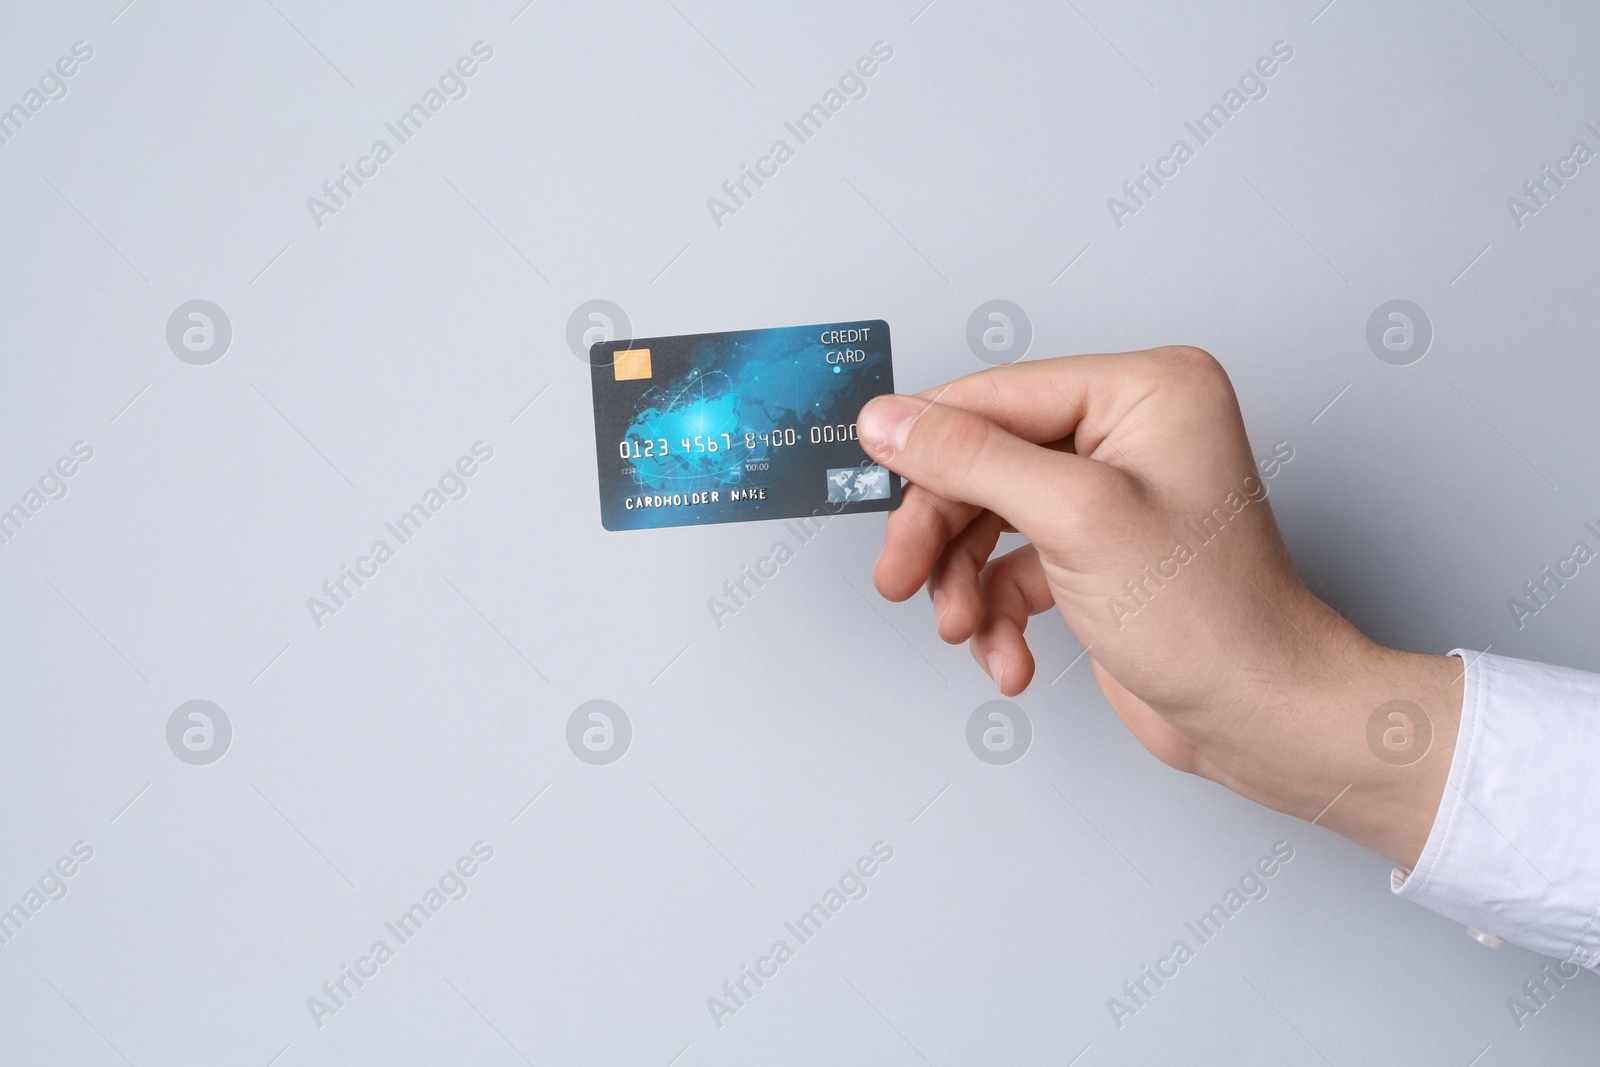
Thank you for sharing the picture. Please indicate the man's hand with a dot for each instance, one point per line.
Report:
(1132, 479)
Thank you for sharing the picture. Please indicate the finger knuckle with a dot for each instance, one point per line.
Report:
(1101, 487)
(1084, 503)
(1196, 364)
(1195, 375)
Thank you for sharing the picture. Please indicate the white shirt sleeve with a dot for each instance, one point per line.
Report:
(1515, 846)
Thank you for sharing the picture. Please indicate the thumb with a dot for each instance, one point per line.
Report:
(965, 457)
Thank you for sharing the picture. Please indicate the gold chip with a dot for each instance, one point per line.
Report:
(631, 363)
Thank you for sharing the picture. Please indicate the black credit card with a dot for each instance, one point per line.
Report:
(729, 427)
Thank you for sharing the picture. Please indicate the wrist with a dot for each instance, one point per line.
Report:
(1404, 722)
(1348, 734)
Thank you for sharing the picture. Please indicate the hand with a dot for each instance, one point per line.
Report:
(1148, 525)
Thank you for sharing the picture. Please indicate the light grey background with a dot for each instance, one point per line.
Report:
(369, 353)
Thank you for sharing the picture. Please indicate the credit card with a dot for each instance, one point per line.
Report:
(731, 427)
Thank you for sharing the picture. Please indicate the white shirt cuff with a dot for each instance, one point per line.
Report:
(1515, 846)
